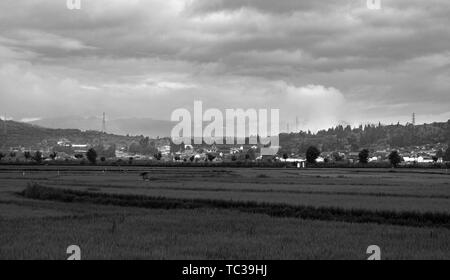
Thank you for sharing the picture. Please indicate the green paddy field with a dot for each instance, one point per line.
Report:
(223, 213)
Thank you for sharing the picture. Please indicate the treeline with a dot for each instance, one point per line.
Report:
(356, 138)
(145, 146)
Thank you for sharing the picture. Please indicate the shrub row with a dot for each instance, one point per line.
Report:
(236, 164)
(414, 219)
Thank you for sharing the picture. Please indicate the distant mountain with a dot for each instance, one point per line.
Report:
(36, 137)
(126, 126)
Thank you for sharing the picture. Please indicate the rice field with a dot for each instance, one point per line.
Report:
(244, 213)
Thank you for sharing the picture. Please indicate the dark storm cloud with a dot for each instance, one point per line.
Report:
(270, 6)
(139, 52)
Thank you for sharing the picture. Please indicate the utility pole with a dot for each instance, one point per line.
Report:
(103, 129)
(5, 132)
(414, 127)
(104, 123)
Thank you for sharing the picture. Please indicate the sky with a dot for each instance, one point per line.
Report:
(324, 62)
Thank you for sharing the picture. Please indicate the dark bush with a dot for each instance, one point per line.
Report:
(406, 218)
(312, 154)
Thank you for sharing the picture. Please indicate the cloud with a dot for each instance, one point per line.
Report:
(145, 58)
(316, 106)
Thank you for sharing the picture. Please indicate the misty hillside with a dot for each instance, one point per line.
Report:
(127, 126)
(33, 136)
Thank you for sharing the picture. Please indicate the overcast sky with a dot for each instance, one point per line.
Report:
(327, 62)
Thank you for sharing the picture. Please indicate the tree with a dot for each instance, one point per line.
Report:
(27, 155)
(447, 155)
(251, 154)
(145, 146)
(211, 157)
(109, 152)
(364, 156)
(395, 158)
(38, 157)
(134, 148)
(440, 154)
(53, 155)
(2, 155)
(92, 156)
(337, 156)
(158, 156)
(312, 154)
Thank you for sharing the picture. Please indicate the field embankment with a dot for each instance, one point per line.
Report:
(413, 219)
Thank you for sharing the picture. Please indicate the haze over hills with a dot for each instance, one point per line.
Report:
(35, 137)
(125, 126)
(338, 138)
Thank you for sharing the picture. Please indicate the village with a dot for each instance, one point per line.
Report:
(163, 150)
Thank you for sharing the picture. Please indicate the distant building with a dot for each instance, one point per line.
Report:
(164, 150)
(295, 160)
(80, 148)
(64, 143)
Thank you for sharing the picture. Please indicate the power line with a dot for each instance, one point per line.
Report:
(5, 131)
(104, 123)
(103, 132)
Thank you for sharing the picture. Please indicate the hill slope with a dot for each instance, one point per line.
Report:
(33, 136)
(369, 136)
(127, 126)
(338, 138)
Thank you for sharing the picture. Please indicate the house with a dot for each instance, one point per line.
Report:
(374, 159)
(64, 143)
(200, 157)
(234, 151)
(267, 158)
(164, 150)
(80, 148)
(295, 160)
(320, 160)
(64, 156)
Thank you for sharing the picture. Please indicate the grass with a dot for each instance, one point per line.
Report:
(223, 213)
(422, 191)
(205, 234)
(412, 219)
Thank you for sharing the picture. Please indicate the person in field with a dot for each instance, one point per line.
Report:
(145, 176)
